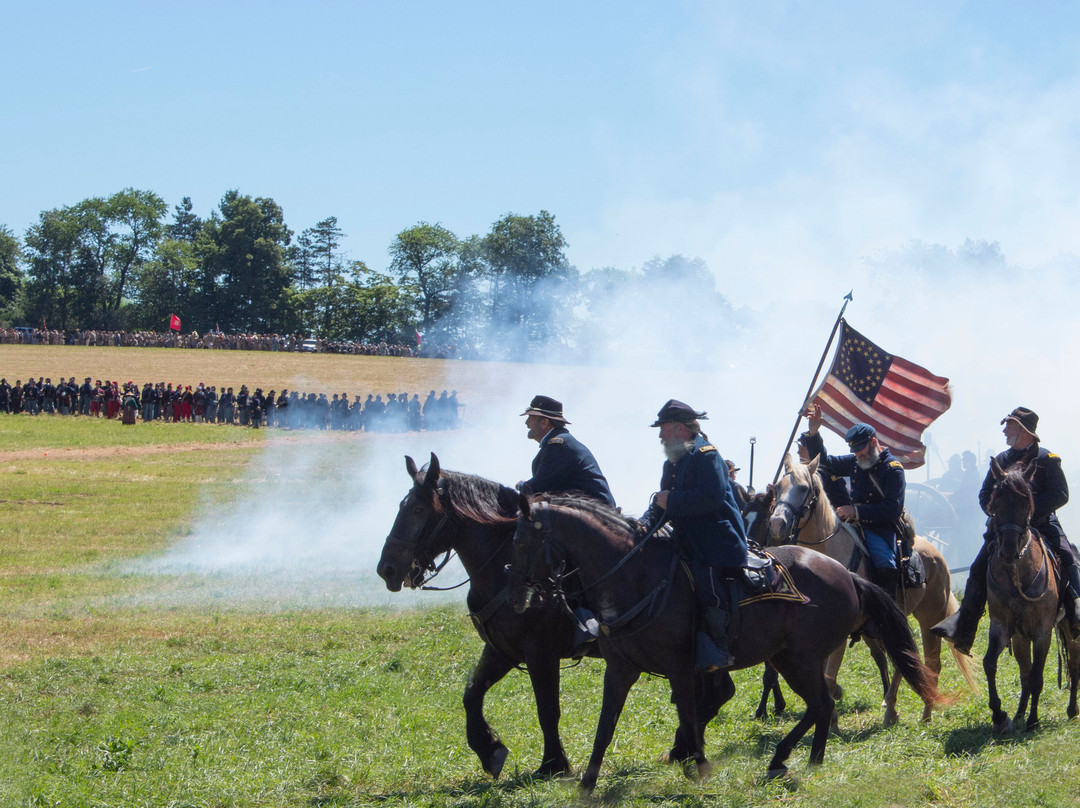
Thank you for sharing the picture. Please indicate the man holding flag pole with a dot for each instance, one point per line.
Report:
(881, 404)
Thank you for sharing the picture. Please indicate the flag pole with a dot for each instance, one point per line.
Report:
(806, 399)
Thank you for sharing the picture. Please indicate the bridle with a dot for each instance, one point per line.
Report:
(423, 567)
(800, 516)
(1025, 530)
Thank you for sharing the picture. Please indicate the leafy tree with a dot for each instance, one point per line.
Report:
(529, 278)
(165, 285)
(10, 274)
(244, 272)
(325, 239)
(56, 290)
(302, 258)
(186, 225)
(134, 221)
(424, 257)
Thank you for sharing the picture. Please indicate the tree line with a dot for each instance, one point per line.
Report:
(125, 262)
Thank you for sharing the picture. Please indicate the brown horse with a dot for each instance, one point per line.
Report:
(1022, 593)
(644, 601)
(803, 515)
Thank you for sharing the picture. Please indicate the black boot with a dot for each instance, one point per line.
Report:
(887, 578)
(960, 627)
(1070, 576)
(710, 657)
(716, 621)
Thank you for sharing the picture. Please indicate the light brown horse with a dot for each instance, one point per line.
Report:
(1022, 594)
(803, 515)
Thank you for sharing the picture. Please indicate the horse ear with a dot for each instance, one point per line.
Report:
(433, 471)
(813, 465)
(787, 462)
(410, 466)
(995, 469)
(523, 505)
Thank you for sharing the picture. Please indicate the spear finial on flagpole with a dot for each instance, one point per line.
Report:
(810, 390)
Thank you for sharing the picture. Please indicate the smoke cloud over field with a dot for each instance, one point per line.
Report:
(306, 524)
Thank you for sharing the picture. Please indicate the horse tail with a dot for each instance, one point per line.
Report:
(963, 661)
(890, 626)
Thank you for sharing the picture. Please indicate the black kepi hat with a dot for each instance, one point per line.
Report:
(677, 412)
(858, 436)
(1027, 419)
(546, 407)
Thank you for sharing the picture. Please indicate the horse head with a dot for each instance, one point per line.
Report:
(797, 494)
(533, 557)
(410, 550)
(1011, 506)
(756, 515)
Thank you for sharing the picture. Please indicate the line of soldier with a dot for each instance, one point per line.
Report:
(204, 404)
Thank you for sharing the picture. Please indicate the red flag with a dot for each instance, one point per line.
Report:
(419, 338)
(174, 322)
(896, 397)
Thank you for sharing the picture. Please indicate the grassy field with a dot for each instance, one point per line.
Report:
(109, 698)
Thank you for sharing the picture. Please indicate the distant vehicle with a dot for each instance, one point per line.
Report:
(309, 346)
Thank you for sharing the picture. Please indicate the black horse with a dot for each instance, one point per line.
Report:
(644, 602)
(448, 510)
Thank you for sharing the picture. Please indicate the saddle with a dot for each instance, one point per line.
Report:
(765, 578)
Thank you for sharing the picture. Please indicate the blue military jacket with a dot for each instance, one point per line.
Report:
(877, 505)
(565, 464)
(701, 507)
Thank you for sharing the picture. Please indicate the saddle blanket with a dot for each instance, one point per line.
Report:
(767, 579)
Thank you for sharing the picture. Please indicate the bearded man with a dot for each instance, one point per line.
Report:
(696, 496)
(877, 495)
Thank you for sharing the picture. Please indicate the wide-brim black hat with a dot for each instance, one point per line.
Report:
(547, 408)
(676, 412)
(1027, 419)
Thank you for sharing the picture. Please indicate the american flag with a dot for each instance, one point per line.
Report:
(896, 397)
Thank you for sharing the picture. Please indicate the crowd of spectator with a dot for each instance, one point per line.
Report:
(207, 404)
(236, 342)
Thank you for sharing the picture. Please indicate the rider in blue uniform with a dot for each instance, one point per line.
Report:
(877, 494)
(1050, 491)
(563, 462)
(696, 497)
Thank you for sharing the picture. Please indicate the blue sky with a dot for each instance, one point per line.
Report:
(765, 138)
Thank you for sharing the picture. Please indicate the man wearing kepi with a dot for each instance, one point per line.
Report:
(1049, 491)
(563, 462)
(877, 494)
(696, 497)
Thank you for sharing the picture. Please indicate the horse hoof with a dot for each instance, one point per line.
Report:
(498, 758)
(891, 718)
(1031, 726)
(550, 769)
(1003, 727)
(776, 773)
(704, 771)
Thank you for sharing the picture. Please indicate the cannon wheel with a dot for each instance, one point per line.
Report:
(935, 518)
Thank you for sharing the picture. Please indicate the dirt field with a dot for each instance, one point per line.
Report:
(477, 382)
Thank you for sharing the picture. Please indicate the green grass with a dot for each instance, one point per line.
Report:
(105, 703)
(44, 432)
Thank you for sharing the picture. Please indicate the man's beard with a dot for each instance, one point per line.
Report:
(870, 459)
(676, 450)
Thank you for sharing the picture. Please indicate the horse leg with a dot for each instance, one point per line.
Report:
(808, 681)
(994, 647)
(1038, 671)
(492, 667)
(1022, 653)
(683, 695)
(832, 668)
(714, 690)
(618, 679)
(770, 684)
(544, 674)
(1072, 656)
(931, 644)
(890, 686)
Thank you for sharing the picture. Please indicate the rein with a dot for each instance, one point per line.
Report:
(806, 509)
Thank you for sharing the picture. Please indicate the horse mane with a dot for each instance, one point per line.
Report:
(1015, 483)
(475, 498)
(598, 515)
